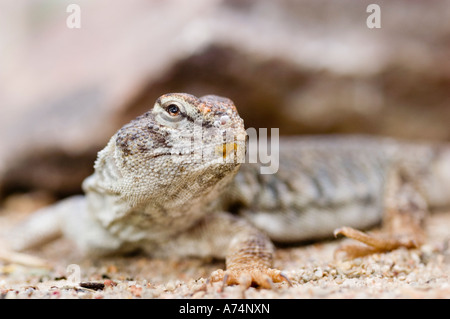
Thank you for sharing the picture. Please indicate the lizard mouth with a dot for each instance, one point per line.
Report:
(226, 152)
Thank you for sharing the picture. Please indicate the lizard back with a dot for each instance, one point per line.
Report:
(322, 183)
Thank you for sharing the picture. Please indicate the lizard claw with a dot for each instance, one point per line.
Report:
(375, 244)
(250, 276)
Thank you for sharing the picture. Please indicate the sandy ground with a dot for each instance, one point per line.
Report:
(312, 269)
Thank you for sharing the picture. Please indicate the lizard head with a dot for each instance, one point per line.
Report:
(207, 129)
(184, 142)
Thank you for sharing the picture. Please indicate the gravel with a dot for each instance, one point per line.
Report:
(313, 270)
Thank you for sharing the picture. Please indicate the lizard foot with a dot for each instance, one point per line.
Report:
(249, 276)
(375, 244)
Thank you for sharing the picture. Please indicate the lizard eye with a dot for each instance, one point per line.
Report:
(173, 109)
(171, 112)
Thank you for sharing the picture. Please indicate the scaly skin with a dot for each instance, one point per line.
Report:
(166, 183)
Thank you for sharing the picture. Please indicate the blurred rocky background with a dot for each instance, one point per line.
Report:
(304, 66)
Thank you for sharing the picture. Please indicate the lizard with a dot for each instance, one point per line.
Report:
(174, 182)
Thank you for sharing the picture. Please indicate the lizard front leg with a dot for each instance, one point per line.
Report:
(249, 262)
(405, 209)
(248, 253)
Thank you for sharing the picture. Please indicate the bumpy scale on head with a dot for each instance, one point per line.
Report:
(184, 142)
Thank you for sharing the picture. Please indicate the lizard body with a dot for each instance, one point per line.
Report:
(324, 182)
(162, 186)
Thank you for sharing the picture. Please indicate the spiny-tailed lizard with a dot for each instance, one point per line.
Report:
(172, 182)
